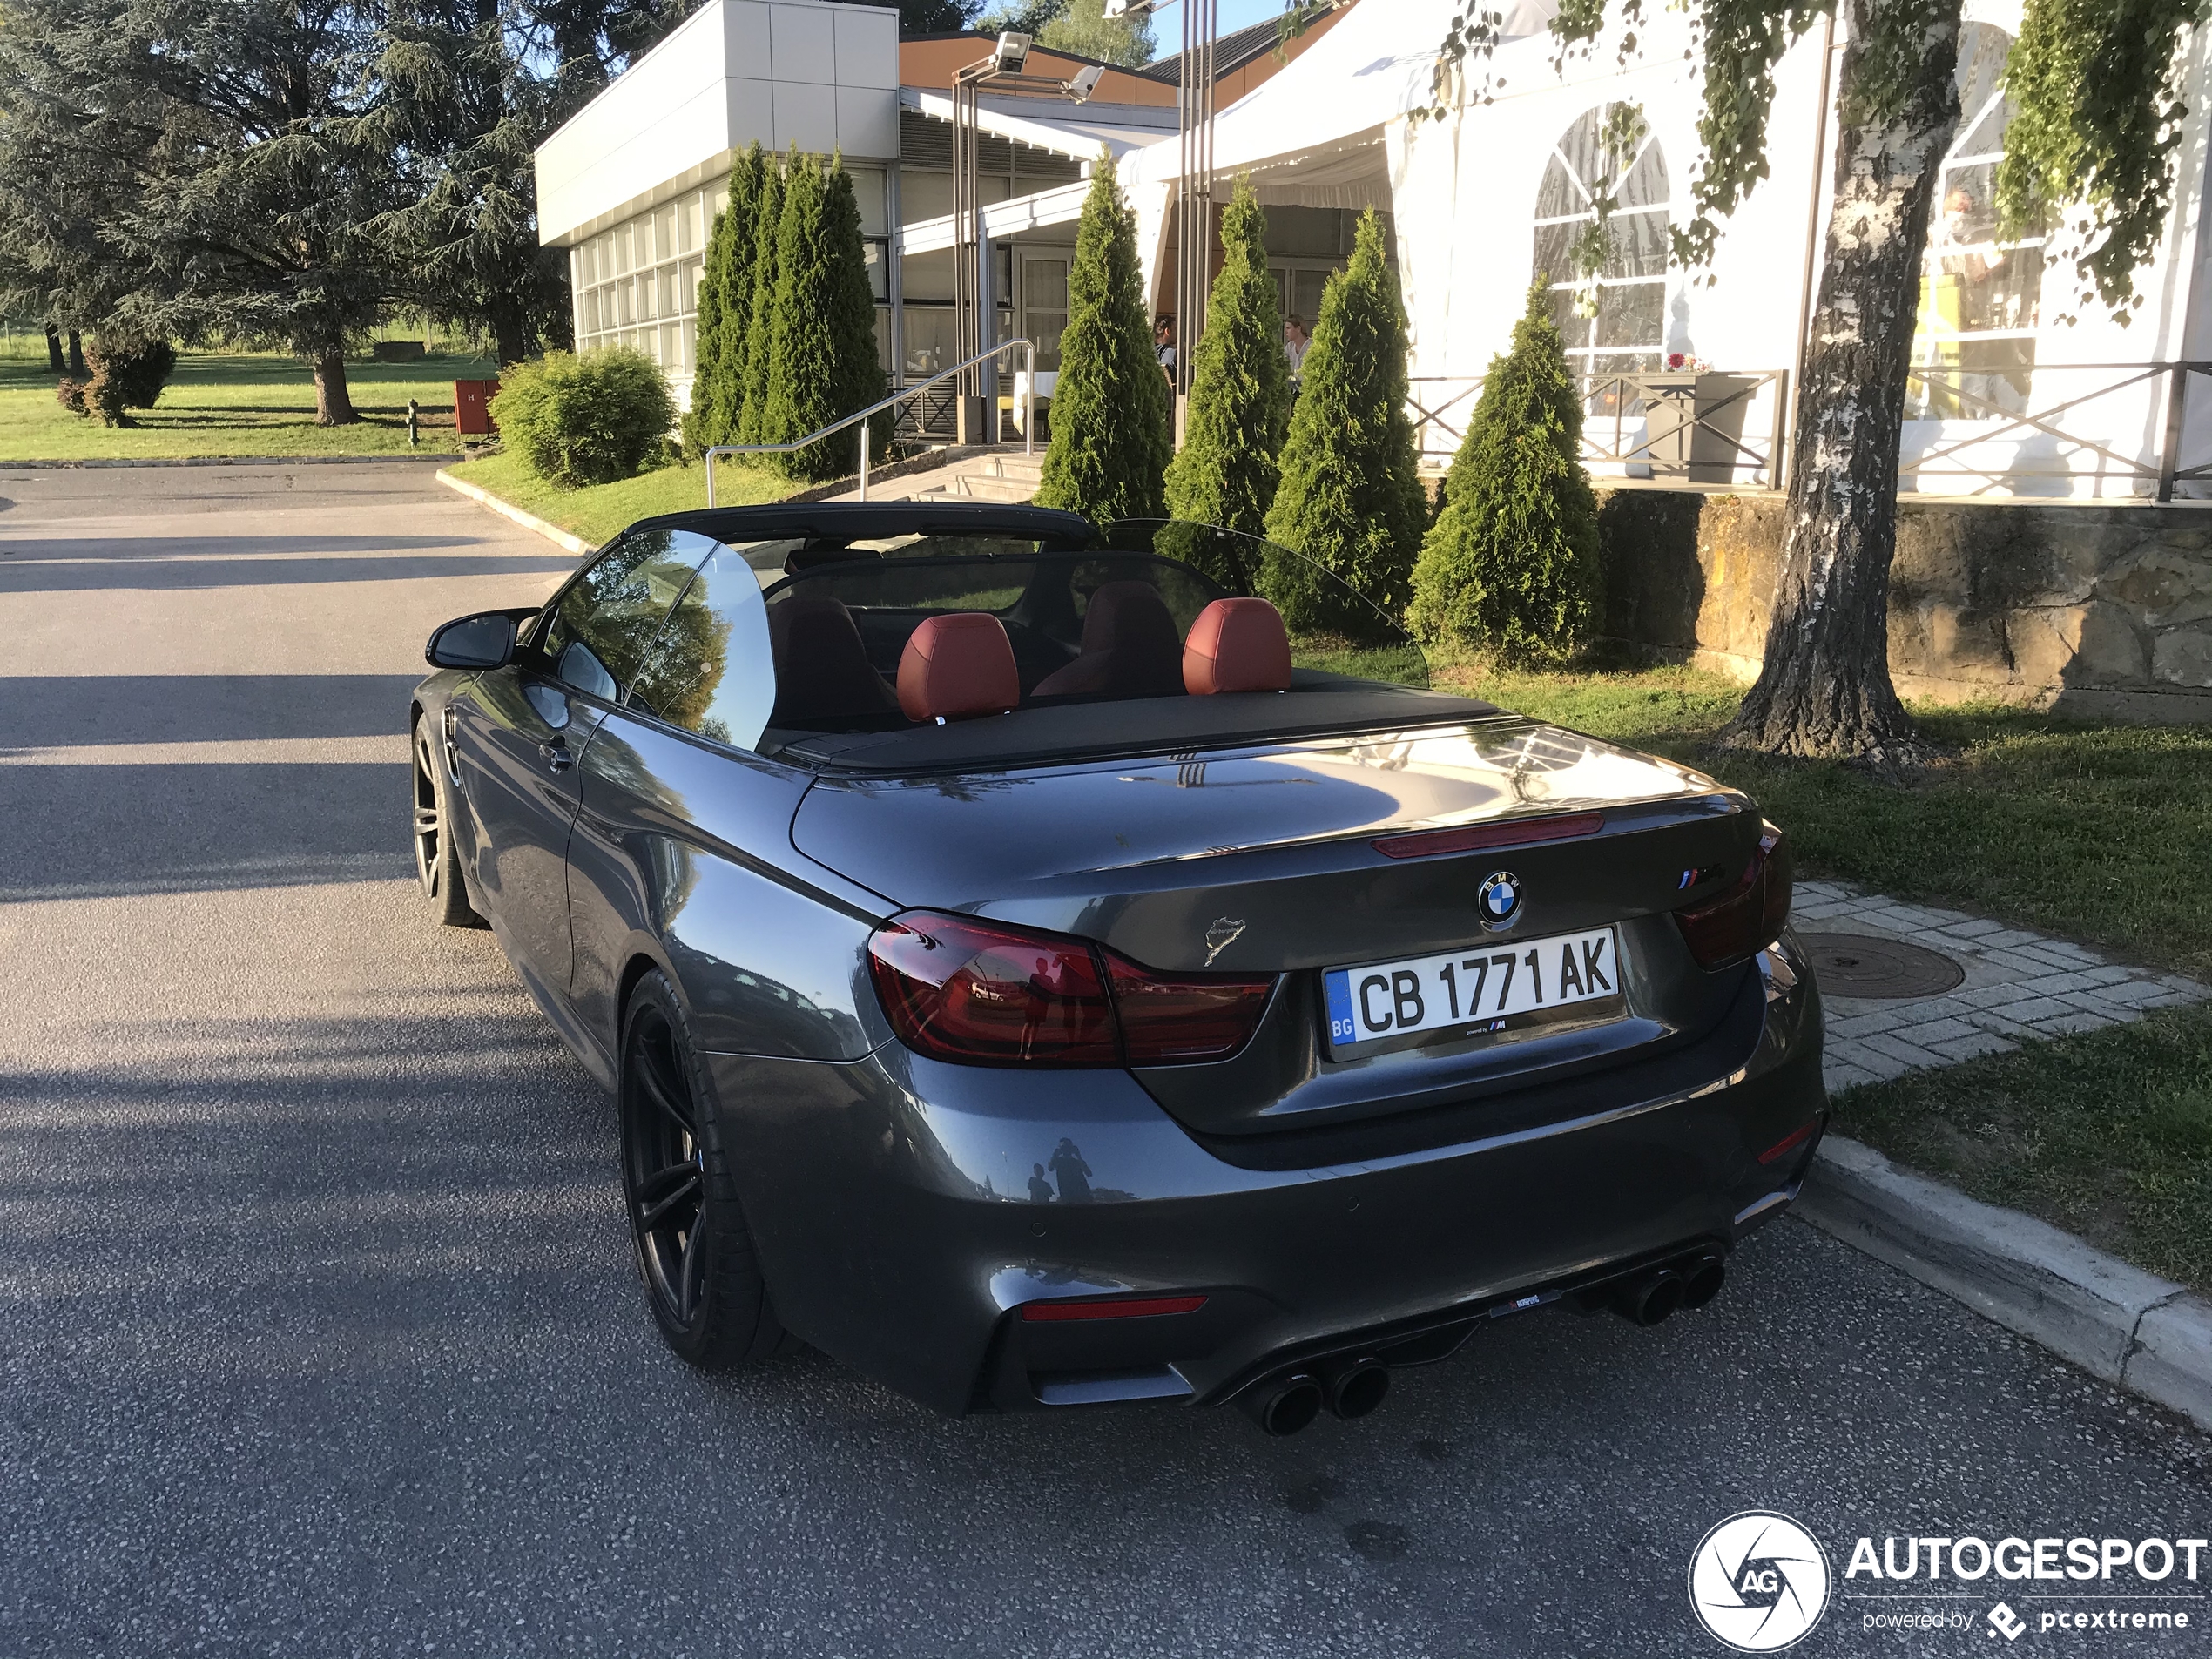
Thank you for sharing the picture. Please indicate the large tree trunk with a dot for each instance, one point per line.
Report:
(55, 361)
(334, 402)
(511, 338)
(77, 371)
(1824, 688)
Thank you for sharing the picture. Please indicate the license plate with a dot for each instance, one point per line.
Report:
(1475, 988)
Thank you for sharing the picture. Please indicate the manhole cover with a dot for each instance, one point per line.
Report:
(1864, 965)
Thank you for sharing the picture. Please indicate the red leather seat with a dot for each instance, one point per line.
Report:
(957, 666)
(1130, 648)
(822, 669)
(1236, 645)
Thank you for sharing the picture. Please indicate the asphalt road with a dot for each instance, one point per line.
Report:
(318, 1334)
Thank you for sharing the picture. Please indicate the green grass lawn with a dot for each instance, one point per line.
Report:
(598, 512)
(233, 404)
(2103, 834)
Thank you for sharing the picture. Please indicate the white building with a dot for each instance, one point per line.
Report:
(2014, 397)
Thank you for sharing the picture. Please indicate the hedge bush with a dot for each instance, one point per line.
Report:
(587, 419)
(1511, 567)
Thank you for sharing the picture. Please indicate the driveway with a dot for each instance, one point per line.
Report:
(318, 1332)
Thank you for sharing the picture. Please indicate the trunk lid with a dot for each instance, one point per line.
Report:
(1265, 860)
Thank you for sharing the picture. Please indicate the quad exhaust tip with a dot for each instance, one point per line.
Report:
(1357, 1389)
(1283, 1405)
(1651, 1297)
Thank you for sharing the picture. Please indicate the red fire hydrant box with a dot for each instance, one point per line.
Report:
(471, 410)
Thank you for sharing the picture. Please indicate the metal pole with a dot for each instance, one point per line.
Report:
(1786, 460)
(1030, 398)
(864, 461)
(709, 478)
(2170, 455)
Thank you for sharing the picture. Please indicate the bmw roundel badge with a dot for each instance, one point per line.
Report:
(1500, 900)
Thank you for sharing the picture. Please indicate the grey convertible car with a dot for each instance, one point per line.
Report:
(1026, 978)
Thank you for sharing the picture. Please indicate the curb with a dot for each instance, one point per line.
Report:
(446, 457)
(484, 498)
(2116, 1322)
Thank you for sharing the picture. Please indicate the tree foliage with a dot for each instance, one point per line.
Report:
(1239, 409)
(1511, 566)
(725, 309)
(822, 353)
(761, 326)
(1110, 410)
(587, 419)
(1083, 27)
(1349, 499)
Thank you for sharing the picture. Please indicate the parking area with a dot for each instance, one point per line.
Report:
(318, 1330)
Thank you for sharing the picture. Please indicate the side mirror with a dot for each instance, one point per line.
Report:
(485, 641)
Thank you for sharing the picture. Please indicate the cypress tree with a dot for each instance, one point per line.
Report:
(1240, 387)
(1349, 499)
(1111, 441)
(857, 373)
(759, 328)
(816, 369)
(725, 310)
(1512, 565)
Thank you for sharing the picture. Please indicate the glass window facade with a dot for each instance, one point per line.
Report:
(1613, 321)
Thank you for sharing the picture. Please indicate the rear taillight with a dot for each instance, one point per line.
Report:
(1749, 916)
(985, 994)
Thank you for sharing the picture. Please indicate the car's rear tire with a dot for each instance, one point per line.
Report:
(695, 1252)
(437, 863)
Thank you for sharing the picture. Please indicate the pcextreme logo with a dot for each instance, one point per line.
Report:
(1760, 1582)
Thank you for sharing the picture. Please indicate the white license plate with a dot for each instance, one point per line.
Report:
(1479, 987)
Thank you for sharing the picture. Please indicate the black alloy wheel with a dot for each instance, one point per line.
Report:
(694, 1250)
(437, 862)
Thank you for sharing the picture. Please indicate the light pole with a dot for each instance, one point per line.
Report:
(1002, 69)
(1194, 179)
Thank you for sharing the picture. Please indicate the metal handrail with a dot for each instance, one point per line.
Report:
(1028, 416)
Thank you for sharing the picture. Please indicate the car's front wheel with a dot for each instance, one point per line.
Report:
(437, 862)
(694, 1250)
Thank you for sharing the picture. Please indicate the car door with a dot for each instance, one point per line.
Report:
(653, 796)
(519, 732)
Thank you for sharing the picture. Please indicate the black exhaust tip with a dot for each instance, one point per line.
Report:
(1283, 1405)
(1357, 1389)
(1702, 1281)
(1651, 1298)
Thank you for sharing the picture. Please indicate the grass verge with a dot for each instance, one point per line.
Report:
(2107, 1134)
(2103, 834)
(242, 403)
(597, 512)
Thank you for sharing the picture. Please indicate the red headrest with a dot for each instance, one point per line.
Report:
(959, 665)
(1236, 645)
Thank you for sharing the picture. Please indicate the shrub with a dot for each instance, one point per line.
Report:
(1240, 387)
(1110, 438)
(126, 375)
(1349, 499)
(760, 327)
(1511, 566)
(725, 310)
(822, 356)
(586, 419)
(69, 394)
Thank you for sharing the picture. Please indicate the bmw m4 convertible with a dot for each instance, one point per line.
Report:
(1026, 972)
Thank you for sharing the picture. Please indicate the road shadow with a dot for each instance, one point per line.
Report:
(143, 573)
(71, 712)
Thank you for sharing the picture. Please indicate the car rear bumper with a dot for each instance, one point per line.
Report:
(906, 1210)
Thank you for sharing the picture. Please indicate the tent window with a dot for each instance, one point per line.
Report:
(1614, 321)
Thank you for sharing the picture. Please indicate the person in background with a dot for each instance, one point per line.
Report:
(1164, 344)
(1296, 340)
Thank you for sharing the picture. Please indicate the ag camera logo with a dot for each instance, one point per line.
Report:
(1760, 1582)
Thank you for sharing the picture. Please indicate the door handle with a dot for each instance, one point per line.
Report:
(556, 755)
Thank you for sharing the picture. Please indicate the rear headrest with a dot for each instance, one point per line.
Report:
(956, 666)
(822, 669)
(1236, 645)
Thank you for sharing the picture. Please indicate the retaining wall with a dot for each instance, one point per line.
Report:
(2099, 609)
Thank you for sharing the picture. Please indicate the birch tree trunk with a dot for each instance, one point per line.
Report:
(1824, 688)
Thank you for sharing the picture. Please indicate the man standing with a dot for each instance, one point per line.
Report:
(1295, 342)
(1163, 345)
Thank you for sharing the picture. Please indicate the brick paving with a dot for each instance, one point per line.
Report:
(2019, 985)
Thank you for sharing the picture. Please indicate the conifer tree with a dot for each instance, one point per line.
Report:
(1240, 387)
(759, 328)
(821, 358)
(1110, 439)
(857, 371)
(1512, 565)
(725, 310)
(1349, 499)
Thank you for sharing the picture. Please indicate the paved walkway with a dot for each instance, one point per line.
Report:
(2019, 985)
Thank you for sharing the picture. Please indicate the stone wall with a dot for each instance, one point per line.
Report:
(2099, 609)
